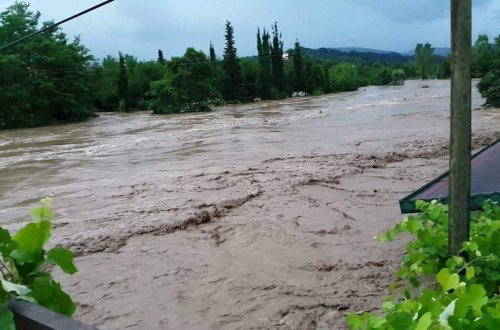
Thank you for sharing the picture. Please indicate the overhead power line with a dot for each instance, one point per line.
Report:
(55, 24)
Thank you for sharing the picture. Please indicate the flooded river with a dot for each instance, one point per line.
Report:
(287, 196)
(114, 150)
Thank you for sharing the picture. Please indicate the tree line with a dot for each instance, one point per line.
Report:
(50, 79)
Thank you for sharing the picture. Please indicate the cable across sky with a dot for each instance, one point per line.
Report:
(29, 36)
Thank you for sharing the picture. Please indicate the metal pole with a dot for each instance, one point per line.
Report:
(460, 131)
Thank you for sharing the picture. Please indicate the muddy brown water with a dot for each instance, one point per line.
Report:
(251, 216)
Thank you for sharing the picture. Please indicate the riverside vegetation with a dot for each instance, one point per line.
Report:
(24, 267)
(434, 290)
(50, 79)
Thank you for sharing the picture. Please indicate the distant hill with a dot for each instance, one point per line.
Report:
(351, 53)
(363, 50)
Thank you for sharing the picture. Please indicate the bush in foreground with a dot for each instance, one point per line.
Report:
(24, 267)
(434, 291)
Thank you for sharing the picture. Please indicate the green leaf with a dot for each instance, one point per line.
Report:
(477, 297)
(19, 290)
(413, 280)
(375, 321)
(356, 322)
(33, 236)
(424, 322)
(63, 258)
(49, 294)
(434, 212)
(390, 234)
(447, 280)
(413, 226)
(21, 257)
(4, 236)
(388, 306)
(469, 273)
(401, 320)
(41, 214)
(6, 319)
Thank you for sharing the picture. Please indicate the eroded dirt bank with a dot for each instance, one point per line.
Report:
(255, 217)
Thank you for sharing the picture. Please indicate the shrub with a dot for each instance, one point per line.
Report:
(24, 267)
(434, 291)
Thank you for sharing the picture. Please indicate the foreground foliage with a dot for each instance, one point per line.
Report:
(434, 291)
(24, 267)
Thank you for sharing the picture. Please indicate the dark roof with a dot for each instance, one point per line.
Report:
(485, 182)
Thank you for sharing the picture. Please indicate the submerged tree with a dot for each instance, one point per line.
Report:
(424, 57)
(187, 87)
(233, 84)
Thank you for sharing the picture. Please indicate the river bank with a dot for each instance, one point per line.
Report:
(255, 216)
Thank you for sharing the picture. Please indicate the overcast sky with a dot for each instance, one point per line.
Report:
(141, 27)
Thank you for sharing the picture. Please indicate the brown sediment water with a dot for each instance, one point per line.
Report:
(252, 216)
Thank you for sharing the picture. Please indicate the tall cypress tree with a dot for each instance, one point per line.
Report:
(161, 59)
(298, 69)
(277, 60)
(212, 56)
(264, 64)
(122, 84)
(233, 85)
(259, 46)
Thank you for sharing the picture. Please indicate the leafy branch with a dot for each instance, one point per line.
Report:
(457, 292)
(23, 261)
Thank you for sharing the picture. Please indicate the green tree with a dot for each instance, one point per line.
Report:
(277, 61)
(43, 80)
(489, 86)
(424, 57)
(250, 71)
(298, 69)
(265, 78)
(233, 85)
(161, 58)
(122, 84)
(345, 77)
(213, 57)
(483, 56)
(398, 77)
(314, 77)
(186, 87)
(444, 69)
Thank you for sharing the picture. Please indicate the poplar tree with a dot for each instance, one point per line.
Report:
(161, 59)
(122, 84)
(264, 65)
(233, 85)
(277, 60)
(298, 69)
(424, 57)
(212, 56)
